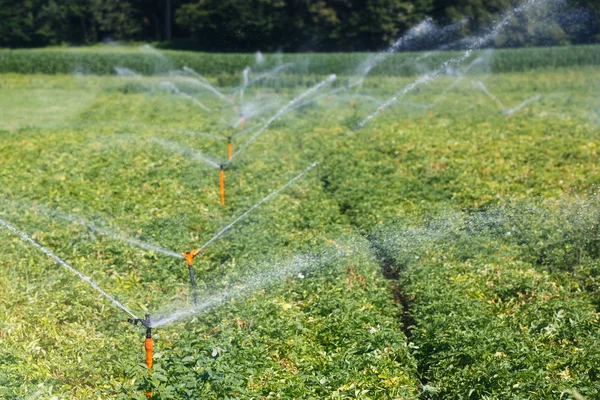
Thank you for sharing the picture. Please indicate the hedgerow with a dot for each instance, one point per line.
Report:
(103, 61)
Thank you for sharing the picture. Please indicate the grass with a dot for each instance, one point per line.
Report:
(394, 297)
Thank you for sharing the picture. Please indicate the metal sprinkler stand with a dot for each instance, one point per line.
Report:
(189, 257)
(148, 344)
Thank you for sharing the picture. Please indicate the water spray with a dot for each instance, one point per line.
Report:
(282, 111)
(510, 112)
(210, 88)
(60, 262)
(189, 256)
(185, 151)
(269, 73)
(458, 80)
(485, 90)
(476, 44)
(178, 92)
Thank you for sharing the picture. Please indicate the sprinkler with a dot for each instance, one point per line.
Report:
(242, 121)
(382, 110)
(189, 257)
(352, 104)
(148, 344)
(222, 183)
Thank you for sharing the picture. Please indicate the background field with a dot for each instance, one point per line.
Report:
(451, 254)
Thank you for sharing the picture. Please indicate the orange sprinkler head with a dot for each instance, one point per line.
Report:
(229, 150)
(189, 256)
(222, 185)
(242, 122)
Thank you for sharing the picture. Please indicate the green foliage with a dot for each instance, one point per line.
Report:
(271, 25)
(500, 300)
(488, 323)
(227, 67)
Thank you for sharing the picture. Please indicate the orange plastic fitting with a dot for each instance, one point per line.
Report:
(382, 111)
(149, 345)
(222, 186)
(242, 122)
(188, 257)
(229, 150)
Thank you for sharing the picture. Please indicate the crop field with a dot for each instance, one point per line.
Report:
(445, 246)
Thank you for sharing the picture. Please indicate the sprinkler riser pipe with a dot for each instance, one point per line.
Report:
(222, 185)
(193, 284)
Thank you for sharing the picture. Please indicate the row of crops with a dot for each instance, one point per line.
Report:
(504, 301)
(500, 300)
(102, 60)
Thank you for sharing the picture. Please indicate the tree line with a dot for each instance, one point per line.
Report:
(286, 25)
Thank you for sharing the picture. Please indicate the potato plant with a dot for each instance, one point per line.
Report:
(449, 251)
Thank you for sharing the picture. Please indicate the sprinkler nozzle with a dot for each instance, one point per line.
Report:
(189, 256)
(146, 322)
